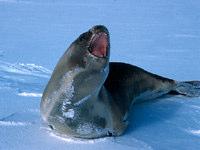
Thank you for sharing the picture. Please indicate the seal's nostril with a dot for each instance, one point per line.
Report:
(99, 28)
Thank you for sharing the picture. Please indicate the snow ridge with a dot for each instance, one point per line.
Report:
(14, 123)
(26, 94)
(75, 140)
(25, 69)
(26, 79)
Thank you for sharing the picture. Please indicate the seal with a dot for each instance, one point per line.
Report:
(89, 97)
(75, 102)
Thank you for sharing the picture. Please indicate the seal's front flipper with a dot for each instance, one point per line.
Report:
(187, 88)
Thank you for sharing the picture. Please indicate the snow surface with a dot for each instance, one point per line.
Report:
(160, 36)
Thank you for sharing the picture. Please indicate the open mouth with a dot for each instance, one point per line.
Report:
(99, 44)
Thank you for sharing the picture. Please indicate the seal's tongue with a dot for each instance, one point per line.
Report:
(99, 45)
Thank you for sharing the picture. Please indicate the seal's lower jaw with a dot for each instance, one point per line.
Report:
(99, 45)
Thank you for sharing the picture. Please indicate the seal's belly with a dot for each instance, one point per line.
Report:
(78, 119)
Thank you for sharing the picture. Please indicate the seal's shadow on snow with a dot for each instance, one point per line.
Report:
(149, 113)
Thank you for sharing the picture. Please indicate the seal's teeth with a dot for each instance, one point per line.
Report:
(99, 44)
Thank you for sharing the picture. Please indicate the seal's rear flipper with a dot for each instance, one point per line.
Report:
(187, 88)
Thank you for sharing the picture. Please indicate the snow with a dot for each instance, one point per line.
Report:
(160, 36)
(12, 123)
(30, 94)
(195, 132)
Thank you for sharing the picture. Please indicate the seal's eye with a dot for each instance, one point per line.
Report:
(85, 36)
(82, 37)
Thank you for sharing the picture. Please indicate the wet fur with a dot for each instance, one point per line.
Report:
(128, 84)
